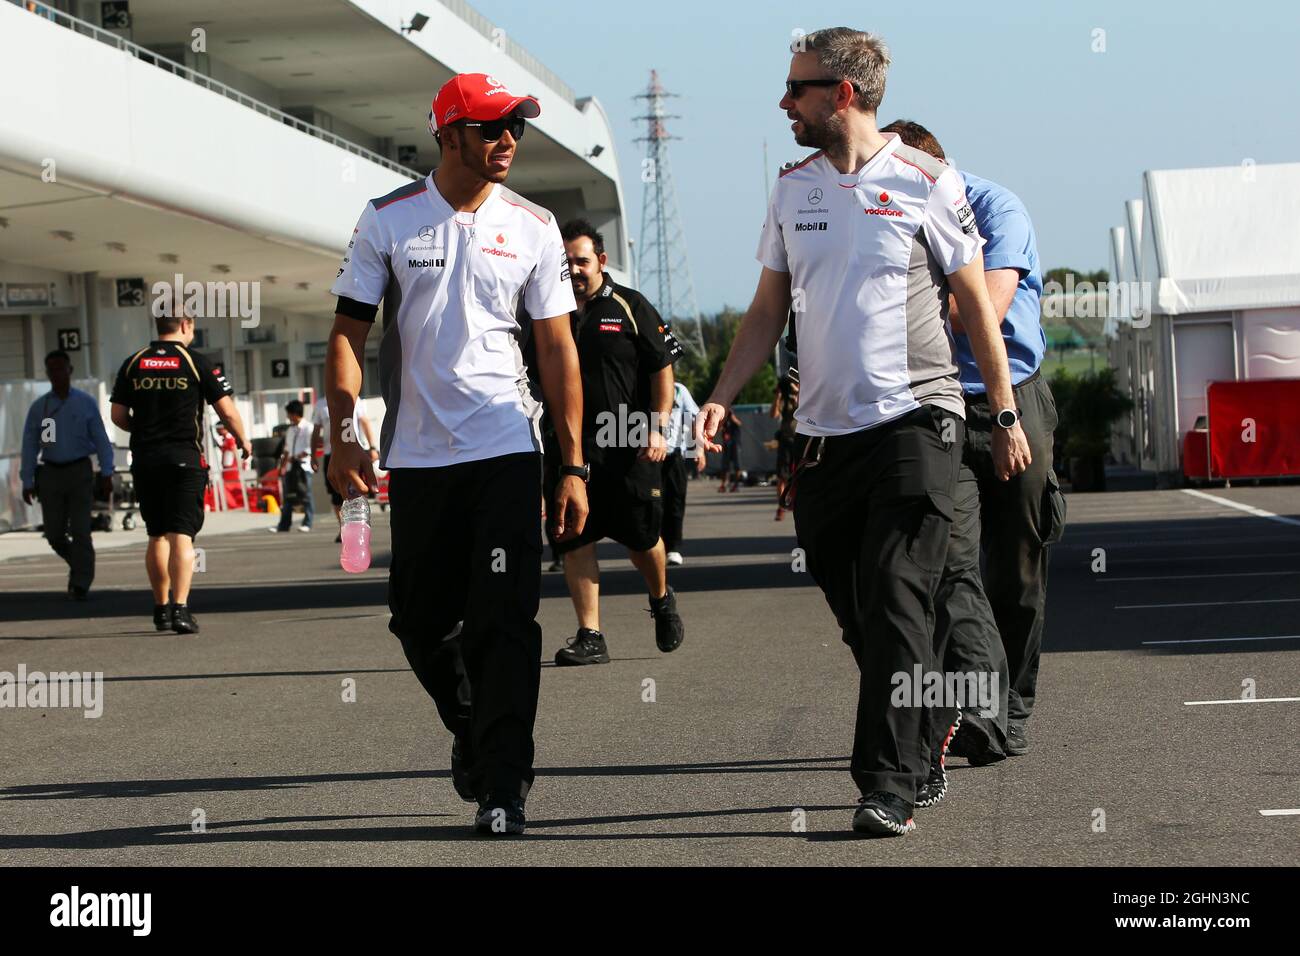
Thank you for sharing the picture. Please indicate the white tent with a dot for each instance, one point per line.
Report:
(1217, 252)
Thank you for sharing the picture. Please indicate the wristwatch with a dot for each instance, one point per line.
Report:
(576, 471)
(1008, 417)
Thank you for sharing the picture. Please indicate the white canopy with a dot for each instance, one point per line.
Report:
(1221, 238)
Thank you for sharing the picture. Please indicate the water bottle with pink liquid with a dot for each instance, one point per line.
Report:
(354, 555)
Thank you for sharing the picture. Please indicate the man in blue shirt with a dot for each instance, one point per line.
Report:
(1013, 521)
(65, 427)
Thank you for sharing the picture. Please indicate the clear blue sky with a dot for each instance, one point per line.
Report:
(1013, 90)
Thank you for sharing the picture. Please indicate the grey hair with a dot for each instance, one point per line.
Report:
(861, 58)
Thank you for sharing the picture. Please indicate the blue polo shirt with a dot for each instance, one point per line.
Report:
(1009, 243)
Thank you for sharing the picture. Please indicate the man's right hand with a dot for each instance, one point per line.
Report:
(707, 423)
(351, 472)
(29, 495)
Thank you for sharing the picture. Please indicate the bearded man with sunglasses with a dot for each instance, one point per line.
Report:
(873, 235)
(450, 256)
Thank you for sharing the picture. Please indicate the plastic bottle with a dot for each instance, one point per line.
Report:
(354, 555)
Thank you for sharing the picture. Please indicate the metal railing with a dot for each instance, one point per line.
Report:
(490, 30)
(184, 72)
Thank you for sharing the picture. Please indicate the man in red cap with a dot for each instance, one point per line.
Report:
(451, 256)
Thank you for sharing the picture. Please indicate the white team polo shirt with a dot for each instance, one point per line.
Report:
(867, 255)
(450, 366)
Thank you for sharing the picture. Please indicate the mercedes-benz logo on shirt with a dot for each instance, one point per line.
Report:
(815, 196)
(426, 233)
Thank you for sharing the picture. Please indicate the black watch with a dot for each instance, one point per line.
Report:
(1008, 417)
(576, 471)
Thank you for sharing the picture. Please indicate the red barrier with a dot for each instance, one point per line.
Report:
(1254, 428)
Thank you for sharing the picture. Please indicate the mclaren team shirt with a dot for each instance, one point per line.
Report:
(867, 254)
(450, 366)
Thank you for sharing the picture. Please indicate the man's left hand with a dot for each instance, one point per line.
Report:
(657, 450)
(104, 487)
(1010, 451)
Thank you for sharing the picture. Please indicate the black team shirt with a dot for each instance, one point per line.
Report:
(165, 386)
(622, 342)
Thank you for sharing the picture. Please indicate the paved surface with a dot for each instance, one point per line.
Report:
(752, 717)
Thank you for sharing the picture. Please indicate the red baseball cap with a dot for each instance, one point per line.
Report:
(478, 96)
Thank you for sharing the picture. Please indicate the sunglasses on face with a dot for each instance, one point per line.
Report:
(493, 130)
(796, 87)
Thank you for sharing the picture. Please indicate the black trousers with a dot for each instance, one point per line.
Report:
(66, 493)
(873, 518)
(467, 547)
(992, 622)
(674, 492)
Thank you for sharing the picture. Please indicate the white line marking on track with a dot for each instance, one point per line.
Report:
(1249, 509)
(1187, 577)
(1279, 813)
(1137, 607)
(1221, 640)
(1243, 700)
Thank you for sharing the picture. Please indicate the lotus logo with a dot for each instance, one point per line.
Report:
(815, 196)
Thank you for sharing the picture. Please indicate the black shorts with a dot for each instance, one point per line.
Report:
(624, 502)
(170, 497)
(335, 497)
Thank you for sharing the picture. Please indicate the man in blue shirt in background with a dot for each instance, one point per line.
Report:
(65, 426)
(1012, 521)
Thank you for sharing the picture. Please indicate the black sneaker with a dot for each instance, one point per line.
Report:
(973, 742)
(585, 647)
(183, 621)
(162, 617)
(78, 593)
(883, 814)
(936, 784)
(669, 630)
(1017, 742)
(498, 817)
(459, 774)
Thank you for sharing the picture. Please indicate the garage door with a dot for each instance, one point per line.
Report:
(13, 347)
(1203, 353)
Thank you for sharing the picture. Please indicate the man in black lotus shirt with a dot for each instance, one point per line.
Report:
(626, 353)
(158, 398)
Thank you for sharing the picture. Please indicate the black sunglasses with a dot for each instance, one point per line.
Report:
(796, 87)
(493, 130)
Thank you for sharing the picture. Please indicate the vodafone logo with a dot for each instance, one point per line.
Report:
(882, 198)
(884, 212)
(493, 81)
(502, 240)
